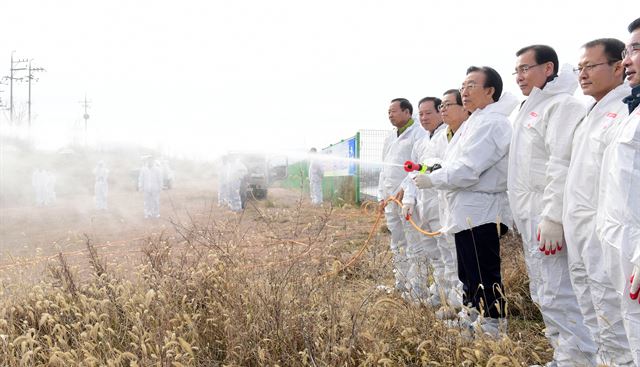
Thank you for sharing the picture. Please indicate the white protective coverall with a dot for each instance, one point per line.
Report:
(101, 186)
(538, 163)
(455, 293)
(474, 170)
(236, 172)
(316, 173)
(473, 177)
(150, 183)
(50, 196)
(38, 183)
(423, 250)
(397, 150)
(597, 298)
(618, 219)
(168, 176)
(445, 212)
(223, 184)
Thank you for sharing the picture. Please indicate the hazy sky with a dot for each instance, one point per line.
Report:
(206, 76)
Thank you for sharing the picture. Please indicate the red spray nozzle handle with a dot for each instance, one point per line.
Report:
(411, 166)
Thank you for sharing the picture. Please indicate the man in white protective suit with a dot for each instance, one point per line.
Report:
(474, 176)
(50, 180)
(397, 150)
(601, 74)
(236, 174)
(618, 217)
(316, 173)
(101, 186)
(538, 162)
(150, 183)
(422, 207)
(454, 115)
(223, 183)
(38, 182)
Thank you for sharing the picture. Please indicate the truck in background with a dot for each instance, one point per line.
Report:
(262, 171)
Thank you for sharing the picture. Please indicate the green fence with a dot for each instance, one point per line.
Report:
(359, 183)
(297, 176)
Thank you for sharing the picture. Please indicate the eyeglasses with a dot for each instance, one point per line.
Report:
(523, 69)
(470, 85)
(446, 105)
(589, 68)
(629, 50)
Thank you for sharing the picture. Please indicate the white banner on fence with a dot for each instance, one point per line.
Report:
(345, 149)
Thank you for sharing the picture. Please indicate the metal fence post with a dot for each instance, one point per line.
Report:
(357, 178)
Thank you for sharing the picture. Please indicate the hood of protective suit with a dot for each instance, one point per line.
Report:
(565, 82)
(504, 106)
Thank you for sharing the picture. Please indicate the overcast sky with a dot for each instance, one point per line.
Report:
(206, 76)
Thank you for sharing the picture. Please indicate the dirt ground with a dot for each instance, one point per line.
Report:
(31, 236)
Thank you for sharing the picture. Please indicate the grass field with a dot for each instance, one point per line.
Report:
(277, 285)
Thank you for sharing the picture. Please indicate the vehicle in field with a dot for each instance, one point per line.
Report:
(262, 171)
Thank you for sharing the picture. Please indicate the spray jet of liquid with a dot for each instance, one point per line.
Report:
(333, 158)
(320, 157)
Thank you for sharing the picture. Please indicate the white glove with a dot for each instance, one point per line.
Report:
(634, 289)
(423, 182)
(550, 237)
(407, 210)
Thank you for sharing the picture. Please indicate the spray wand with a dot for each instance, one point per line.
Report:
(421, 168)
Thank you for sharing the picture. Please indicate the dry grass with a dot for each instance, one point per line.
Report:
(251, 290)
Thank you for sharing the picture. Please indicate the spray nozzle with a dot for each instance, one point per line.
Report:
(422, 168)
(411, 166)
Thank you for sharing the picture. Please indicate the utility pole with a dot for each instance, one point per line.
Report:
(85, 104)
(2, 83)
(31, 77)
(11, 79)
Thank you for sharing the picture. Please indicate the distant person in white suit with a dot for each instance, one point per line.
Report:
(236, 174)
(316, 174)
(49, 187)
(150, 183)
(223, 183)
(38, 184)
(101, 186)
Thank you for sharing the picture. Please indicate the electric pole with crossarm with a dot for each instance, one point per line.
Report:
(15, 66)
(30, 77)
(85, 104)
